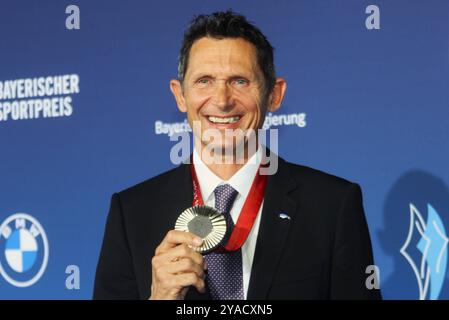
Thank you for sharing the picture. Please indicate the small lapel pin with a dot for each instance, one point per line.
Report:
(284, 216)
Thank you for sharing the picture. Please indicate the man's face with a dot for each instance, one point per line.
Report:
(223, 87)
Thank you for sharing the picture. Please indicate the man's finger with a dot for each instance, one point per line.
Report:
(183, 251)
(185, 265)
(174, 238)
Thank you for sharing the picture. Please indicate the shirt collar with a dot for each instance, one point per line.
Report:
(241, 181)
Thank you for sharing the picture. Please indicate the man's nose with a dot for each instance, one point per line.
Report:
(222, 95)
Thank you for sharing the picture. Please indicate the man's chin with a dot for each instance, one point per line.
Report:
(225, 152)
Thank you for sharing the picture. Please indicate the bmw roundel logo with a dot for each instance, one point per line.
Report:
(23, 250)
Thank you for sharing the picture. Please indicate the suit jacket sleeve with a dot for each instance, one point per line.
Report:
(115, 277)
(352, 253)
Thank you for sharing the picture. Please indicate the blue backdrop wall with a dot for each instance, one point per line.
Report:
(373, 104)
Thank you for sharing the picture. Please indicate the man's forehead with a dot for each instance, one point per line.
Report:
(229, 53)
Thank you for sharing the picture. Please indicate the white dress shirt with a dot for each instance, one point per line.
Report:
(241, 181)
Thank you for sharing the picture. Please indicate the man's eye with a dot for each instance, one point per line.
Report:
(203, 81)
(241, 82)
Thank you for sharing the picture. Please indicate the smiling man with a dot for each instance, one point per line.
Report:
(296, 234)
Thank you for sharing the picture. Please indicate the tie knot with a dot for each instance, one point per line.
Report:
(224, 198)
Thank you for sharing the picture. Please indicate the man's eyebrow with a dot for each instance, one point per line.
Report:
(208, 75)
(201, 75)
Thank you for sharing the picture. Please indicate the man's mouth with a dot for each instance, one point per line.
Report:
(223, 120)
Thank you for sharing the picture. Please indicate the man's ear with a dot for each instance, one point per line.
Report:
(277, 94)
(176, 89)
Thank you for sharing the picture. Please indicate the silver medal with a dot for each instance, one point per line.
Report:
(205, 222)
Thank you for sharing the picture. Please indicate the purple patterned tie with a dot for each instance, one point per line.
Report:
(224, 270)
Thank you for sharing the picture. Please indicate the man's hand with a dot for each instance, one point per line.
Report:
(176, 266)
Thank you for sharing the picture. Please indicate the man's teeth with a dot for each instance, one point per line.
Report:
(223, 120)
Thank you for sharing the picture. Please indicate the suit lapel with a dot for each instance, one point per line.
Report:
(273, 231)
(179, 189)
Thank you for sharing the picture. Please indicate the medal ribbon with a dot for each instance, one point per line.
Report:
(249, 211)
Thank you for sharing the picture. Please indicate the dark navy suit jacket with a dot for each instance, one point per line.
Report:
(321, 252)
